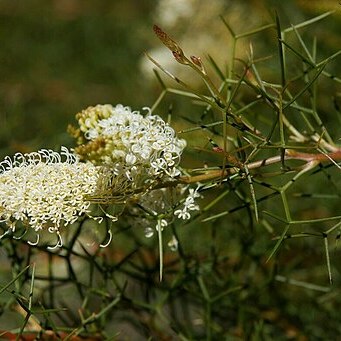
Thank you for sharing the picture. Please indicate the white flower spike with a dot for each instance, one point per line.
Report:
(140, 148)
(45, 190)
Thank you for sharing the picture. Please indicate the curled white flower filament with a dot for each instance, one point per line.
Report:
(36, 242)
(59, 242)
(109, 239)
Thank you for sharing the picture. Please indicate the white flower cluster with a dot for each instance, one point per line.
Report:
(160, 203)
(142, 148)
(45, 189)
(188, 205)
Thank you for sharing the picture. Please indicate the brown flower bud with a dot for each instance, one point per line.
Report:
(171, 44)
(196, 61)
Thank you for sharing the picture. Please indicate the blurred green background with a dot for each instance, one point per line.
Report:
(58, 57)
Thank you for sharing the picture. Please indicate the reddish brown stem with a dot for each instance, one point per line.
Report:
(289, 155)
